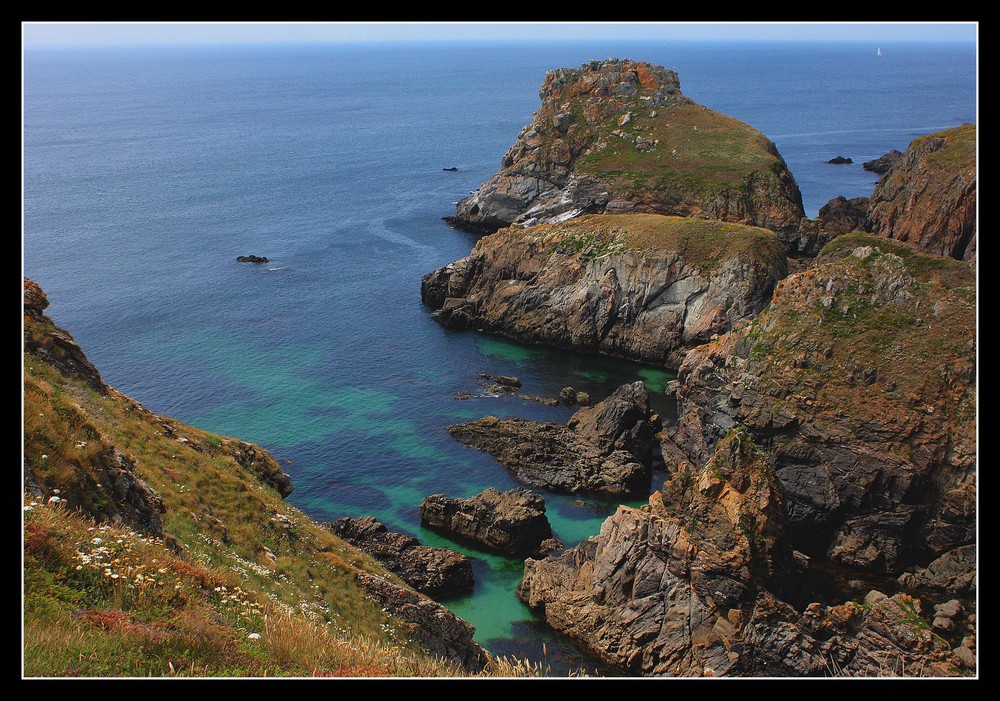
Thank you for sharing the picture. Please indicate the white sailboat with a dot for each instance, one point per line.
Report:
(878, 52)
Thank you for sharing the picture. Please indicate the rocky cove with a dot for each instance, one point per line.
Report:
(813, 507)
(822, 466)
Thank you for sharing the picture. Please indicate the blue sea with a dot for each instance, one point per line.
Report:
(147, 171)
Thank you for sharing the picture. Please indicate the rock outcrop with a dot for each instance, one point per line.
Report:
(642, 287)
(928, 196)
(512, 522)
(618, 136)
(883, 163)
(436, 572)
(859, 382)
(45, 340)
(604, 448)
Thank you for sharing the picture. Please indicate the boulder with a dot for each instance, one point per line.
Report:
(840, 160)
(512, 522)
(883, 163)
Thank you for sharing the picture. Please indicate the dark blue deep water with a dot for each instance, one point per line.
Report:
(147, 171)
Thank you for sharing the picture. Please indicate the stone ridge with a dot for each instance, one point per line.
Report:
(618, 136)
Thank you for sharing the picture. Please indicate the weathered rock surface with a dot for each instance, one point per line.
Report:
(953, 572)
(428, 623)
(604, 448)
(642, 287)
(883, 163)
(928, 196)
(618, 136)
(836, 217)
(512, 522)
(433, 571)
(859, 382)
(686, 587)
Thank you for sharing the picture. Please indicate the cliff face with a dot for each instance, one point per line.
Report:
(617, 136)
(642, 287)
(928, 196)
(860, 383)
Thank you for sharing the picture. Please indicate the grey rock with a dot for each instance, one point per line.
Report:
(512, 522)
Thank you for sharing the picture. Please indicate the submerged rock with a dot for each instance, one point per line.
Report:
(512, 522)
(433, 571)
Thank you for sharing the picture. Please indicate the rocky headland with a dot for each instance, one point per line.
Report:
(618, 136)
(644, 287)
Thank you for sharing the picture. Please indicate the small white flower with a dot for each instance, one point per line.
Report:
(44, 457)
(57, 491)
(54, 500)
(96, 541)
(29, 508)
(254, 636)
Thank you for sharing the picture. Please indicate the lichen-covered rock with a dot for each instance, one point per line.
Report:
(642, 287)
(433, 571)
(604, 448)
(928, 196)
(618, 136)
(512, 522)
(859, 381)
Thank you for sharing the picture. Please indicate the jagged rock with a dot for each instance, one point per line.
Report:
(252, 259)
(859, 382)
(264, 467)
(928, 197)
(512, 522)
(435, 572)
(428, 623)
(643, 287)
(662, 589)
(42, 338)
(594, 118)
(604, 448)
(841, 215)
(840, 160)
(883, 163)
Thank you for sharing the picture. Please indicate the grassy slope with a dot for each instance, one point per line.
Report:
(104, 600)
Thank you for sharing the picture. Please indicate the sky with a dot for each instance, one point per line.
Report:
(40, 34)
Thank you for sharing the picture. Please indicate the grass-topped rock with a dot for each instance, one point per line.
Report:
(641, 286)
(618, 136)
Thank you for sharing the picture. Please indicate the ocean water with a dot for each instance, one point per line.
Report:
(147, 171)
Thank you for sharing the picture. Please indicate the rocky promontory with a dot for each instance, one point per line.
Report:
(928, 196)
(618, 136)
(644, 287)
(859, 381)
(605, 448)
(435, 572)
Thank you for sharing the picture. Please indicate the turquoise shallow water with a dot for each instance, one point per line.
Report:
(147, 171)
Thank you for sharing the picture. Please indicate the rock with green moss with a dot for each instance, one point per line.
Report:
(644, 286)
(618, 136)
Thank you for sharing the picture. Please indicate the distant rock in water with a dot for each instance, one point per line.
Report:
(251, 259)
(840, 160)
(928, 197)
(432, 571)
(882, 164)
(451, 170)
(618, 136)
